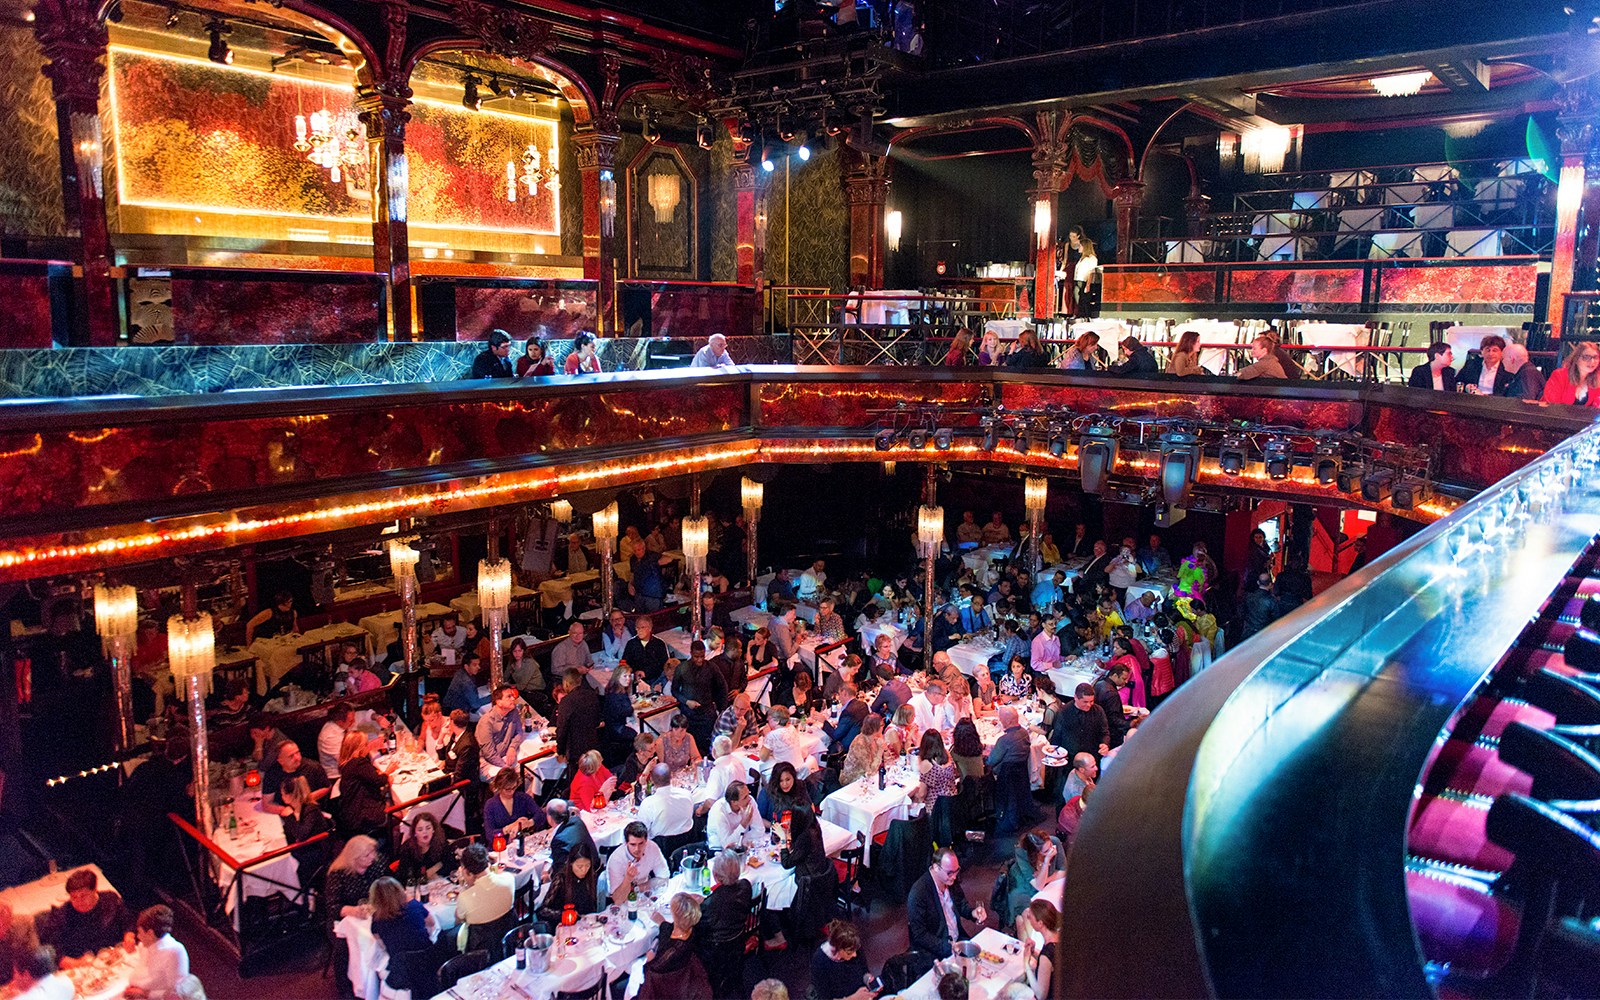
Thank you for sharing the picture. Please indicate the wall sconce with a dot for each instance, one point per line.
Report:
(1041, 221)
(894, 224)
(608, 203)
(664, 191)
(647, 128)
(219, 51)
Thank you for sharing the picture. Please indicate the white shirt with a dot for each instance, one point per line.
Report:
(707, 357)
(455, 642)
(811, 582)
(667, 812)
(329, 739)
(1085, 268)
(931, 716)
(652, 865)
(785, 746)
(52, 987)
(158, 967)
(724, 827)
(723, 773)
(1123, 571)
(1486, 380)
(486, 900)
(1438, 379)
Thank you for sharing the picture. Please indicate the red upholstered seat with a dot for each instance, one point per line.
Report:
(1503, 713)
(1468, 767)
(1452, 830)
(1462, 925)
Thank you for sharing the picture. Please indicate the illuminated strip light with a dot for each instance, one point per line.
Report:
(226, 531)
(63, 779)
(180, 206)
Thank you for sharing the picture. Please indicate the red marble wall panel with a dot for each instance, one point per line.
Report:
(1466, 449)
(1509, 284)
(696, 311)
(214, 306)
(52, 470)
(559, 310)
(1303, 285)
(1158, 285)
(1311, 414)
(25, 289)
(854, 403)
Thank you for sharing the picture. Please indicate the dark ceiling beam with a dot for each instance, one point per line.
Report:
(1380, 37)
(1515, 99)
(1469, 76)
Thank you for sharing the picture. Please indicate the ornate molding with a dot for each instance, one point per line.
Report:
(384, 114)
(74, 39)
(596, 150)
(605, 116)
(504, 32)
(866, 179)
(688, 78)
(394, 78)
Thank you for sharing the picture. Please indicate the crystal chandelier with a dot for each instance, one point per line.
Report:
(331, 141)
(532, 172)
(1401, 84)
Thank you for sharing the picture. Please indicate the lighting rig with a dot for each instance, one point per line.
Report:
(1168, 451)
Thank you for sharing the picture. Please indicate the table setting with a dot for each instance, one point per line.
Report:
(384, 626)
(280, 654)
(414, 769)
(972, 655)
(993, 959)
(599, 946)
(862, 807)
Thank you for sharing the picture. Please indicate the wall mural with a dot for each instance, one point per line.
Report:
(191, 134)
(30, 166)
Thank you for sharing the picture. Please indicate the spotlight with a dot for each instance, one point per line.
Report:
(1377, 485)
(1097, 457)
(470, 98)
(1058, 440)
(1278, 457)
(1410, 491)
(991, 434)
(917, 438)
(219, 52)
(1349, 478)
(513, 89)
(172, 18)
(495, 88)
(1233, 453)
(1180, 464)
(884, 439)
(803, 151)
(1325, 462)
(1020, 442)
(943, 438)
(704, 137)
(766, 160)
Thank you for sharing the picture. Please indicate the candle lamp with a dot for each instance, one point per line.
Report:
(252, 778)
(569, 915)
(499, 843)
(599, 802)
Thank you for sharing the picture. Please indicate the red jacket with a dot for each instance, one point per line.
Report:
(1559, 390)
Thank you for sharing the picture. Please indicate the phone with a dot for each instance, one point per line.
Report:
(875, 984)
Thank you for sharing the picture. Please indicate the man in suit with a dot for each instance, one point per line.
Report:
(947, 629)
(852, 712)
(1437, 373)
(1484, 374)
(937, 905)
(571, 834)
(1097, 571)
(577, 721)
(645, 654)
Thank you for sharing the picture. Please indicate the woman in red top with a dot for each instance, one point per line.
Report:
(589, 781)
(534, 361)
(960, 352)
(1122, 653)
(583, 360)
(1577, 382)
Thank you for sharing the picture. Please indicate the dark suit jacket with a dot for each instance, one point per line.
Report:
(1473, 370)
(571, 836)
(1421, 378)
(925, 917)
(578, 723)
(894, 694)
(844, 732)
(722, 917)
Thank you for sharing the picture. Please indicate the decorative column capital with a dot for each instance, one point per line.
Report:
(74, 39)
(1128, 193)
(385, 111)
(596, 149)
(866, 179)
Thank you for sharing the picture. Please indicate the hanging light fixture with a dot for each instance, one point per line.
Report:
(1401, 84)
(894, 224)
(696, 544)
(116, 614)
(751, 494)
(561, 510)
(529, 170)
(664, 191)
(605, 527)
(494, 584)
(1041, 221)
(403, 565)
(930, 531)
(608, 203)
(1265, 148)
(1035, 490)
(191, 646)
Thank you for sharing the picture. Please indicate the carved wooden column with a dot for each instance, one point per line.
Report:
(74, 40)
(1575, 210)
(383, 112)
(1051, 153)
(866, 188)
(1126, 196)
(747, 265)
(597, 164)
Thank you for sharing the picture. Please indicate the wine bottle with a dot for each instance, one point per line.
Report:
(522, 954)
(883, 778)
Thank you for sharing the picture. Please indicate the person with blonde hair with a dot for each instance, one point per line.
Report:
(351, 875)
(302, 820)
(1265, 364)
(673, 970)
(592, 782)
(1027, 352)
(989, 348)
(770, 989)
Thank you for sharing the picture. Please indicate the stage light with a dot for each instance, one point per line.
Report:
(803, 151)
(1377, 485)
(766, 160)
(1180, 464)
(1020, 443)
(943, 438)
(1097, 457)
(704, 136)
(1232, 454)
(1325, 462)
(1278, 457)
(1410, 491)
(470, 98)
(991, 435)
(884, 439)
(219, 52)
(495, 88)
(1349, 478)
(1058, 440)
(917, 438)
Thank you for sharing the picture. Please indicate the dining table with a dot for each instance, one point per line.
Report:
(385, 626)
(999, 962)
(467, 604)
(862, 807)
(280, 654)
(600, 947)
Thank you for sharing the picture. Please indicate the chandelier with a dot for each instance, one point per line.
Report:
(333, 142)
(664, 192)
(531, 172)
(1401, 84)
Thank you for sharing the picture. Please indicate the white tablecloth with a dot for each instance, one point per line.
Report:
(1434, 216)
(416, 770)
(1361, 220)
(978, 559)
(1338, 334)
(768, 872)
(1470, 338)
(1404, 194)
(384, 627)
(1474, 242)
(369, 960)
(594, 953)
(36, 897)
(972, 655)
(985, 979)
(1275, 223)
(259, 833)
(861, 808)
(1187, 251)
(278, 655)
(1006, 329)
(1395, 245)
(467, 604)
(870, 633)
(1162, 588)
(890, 306)
(1357, 179)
